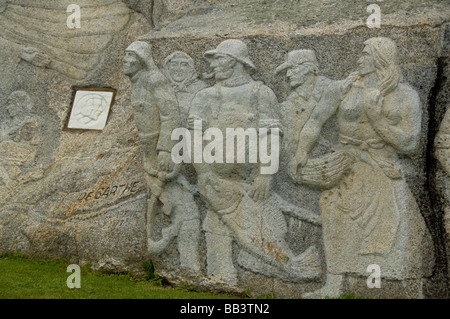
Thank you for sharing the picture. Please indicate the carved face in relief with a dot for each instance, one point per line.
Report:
(297, 74)
(95, 106)
(366, 63)
(179, 70)
(131, 64)
(28, 130)
(12, 107)
(18, 102)
(223, 66)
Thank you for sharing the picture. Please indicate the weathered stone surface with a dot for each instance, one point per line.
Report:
(104, 197)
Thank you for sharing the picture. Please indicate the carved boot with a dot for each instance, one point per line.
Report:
(333, 288)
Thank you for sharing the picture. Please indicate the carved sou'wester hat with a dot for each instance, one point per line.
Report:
(234, 48)
(143, 51)
(297, 57)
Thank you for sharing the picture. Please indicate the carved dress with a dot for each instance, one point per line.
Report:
(371, 216)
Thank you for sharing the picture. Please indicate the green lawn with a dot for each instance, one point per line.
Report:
(25, 278)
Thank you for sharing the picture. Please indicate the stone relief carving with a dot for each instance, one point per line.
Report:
(301, 68)
(19, 107)
(179, 69)
(442, 154)
(17, 156)
(241, 209)
(156, 114)
(368, 213)
(90, 109)
(35, 32)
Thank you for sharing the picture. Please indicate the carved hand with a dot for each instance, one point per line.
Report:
(193, 118)
(300, 159)
(260, 189)
(165, 163)
(348, 82)
(35, 57)
(373, 104)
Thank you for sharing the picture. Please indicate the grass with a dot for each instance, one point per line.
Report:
(22, 277)
(347, 296)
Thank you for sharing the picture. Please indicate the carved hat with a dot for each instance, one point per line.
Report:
(144, 52)
(234, 48)
(297, 57)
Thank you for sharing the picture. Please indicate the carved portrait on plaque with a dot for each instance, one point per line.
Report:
(90, 109)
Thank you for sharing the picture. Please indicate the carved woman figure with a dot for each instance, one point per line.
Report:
(178, 67)
(368, 213)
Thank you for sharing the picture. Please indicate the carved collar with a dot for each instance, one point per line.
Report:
(238, 81)
(136, 77)
(314, 91)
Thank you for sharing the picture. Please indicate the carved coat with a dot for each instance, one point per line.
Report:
(155, 114)
(297, 109)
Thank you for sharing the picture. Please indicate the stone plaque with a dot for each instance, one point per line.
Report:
(90, 109)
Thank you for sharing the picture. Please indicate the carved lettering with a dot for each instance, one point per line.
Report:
(113, 190)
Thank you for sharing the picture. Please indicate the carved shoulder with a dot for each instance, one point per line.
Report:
(403, 104)
(155, 78)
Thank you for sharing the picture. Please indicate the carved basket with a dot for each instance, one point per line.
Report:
(326, 172)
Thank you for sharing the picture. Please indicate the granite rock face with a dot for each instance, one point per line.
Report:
(358, 114)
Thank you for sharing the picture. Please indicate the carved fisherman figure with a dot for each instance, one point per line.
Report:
(156, 114)
(301, 69)
(369, 215)
(240, 209)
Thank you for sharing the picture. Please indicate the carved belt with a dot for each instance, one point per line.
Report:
(389, 167)
(363, 145)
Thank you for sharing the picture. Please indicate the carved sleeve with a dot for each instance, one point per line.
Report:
(268, 109)
(324, 110)
(165, 100)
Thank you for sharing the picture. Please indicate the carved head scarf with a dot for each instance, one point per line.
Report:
(385, 54)
(144, 52)
(189, 79)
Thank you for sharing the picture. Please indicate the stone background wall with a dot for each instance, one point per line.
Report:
(83, 195)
